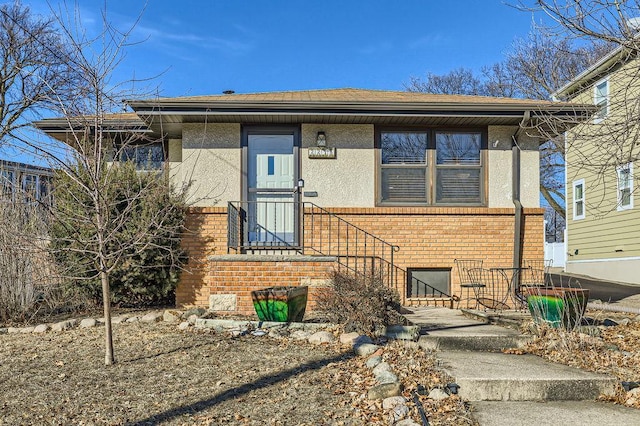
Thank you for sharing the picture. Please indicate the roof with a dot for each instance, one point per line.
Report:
(346, 106)
(595, 72)
(337, 96)
(167, 116)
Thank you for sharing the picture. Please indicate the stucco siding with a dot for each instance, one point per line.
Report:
(499, 158)
(212, 162)
(349, 179)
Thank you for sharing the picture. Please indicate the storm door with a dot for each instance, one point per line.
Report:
(271, 192)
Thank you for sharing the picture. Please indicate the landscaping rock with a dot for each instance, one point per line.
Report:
(184, 325)
(192, 319)
(198, 312)
(349, 338)
(407, 422)
(380, 368)
(320, 337)
(300, 335)
(590, 330)
(118, 319)
(27, 330)
(365, 349)
(152, 317)
(132, 319)
(12, 330)
(373, 361)
(392, 402)
(3, 331)
(386, 377)
(399, 412)
(384, 390)
(64, 325)
(609, 322)
(438, 394)
(624, 321)
(170, 316)
(88, 323)
(278, 333)
(403, 332)
(41, 328)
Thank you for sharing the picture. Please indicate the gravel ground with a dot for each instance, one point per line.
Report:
(166, 376)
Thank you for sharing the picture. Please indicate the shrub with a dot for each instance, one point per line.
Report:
(360, 302)
(146, 219)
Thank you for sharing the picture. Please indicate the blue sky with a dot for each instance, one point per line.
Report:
(205, 47)
(202, 47)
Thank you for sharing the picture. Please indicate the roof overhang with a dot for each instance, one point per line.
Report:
(167, 117)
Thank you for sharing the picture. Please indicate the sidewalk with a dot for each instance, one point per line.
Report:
(514, 389)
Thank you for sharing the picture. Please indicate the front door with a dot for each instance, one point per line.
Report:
(271, 189)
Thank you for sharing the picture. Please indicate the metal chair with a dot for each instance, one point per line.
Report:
(537, 273)
(470, 274)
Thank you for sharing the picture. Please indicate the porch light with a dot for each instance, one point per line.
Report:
(321, 140)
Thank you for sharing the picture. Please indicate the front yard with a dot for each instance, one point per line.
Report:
(167, 376)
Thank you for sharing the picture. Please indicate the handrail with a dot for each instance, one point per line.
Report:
(321, 232)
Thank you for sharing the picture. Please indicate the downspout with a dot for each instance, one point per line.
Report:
(515, 197)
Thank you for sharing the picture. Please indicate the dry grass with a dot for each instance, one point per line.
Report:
(165, 376)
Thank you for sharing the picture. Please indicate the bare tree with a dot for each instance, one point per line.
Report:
(33, 66)
(533, 68)
(102, 229)
(613, 25)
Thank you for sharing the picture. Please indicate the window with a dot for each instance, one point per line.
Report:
(431, 167)
(601, 100)
(6, 184)
(30, 187)
(578, 199)
(428, 282)
(625, 186)
(458, 168)
(404, 167)
(146, 157)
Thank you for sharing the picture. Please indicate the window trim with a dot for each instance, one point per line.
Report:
(600, 117)
(621, 207)
(430, 164)
(574, 201)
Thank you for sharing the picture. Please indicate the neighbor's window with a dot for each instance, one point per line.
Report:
(146, 157)
(455, 175)
(30, 187)
(625, 186)
(6, 183)
(601, 99)
(578, 199)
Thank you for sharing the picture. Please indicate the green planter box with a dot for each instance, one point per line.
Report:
(280, 304)
(557, 307)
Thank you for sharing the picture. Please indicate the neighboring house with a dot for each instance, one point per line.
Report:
(287, 185)
(24, 182)
(603, 215)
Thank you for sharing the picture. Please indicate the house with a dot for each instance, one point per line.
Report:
(286, 186)
(603, 220)
(24, 182)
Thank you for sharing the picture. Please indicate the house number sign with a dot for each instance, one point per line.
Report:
(322, 152)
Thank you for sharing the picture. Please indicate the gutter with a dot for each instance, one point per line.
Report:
(515, 197)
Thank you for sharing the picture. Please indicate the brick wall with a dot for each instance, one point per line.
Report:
(429, 237)
(240, 274)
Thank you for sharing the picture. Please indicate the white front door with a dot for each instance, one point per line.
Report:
(271, 190)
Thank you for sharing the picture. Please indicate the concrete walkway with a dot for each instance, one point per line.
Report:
(514, 389)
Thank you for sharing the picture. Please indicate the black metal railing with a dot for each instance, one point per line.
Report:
(310, 229)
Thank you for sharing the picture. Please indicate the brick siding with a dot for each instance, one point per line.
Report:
(428, 238)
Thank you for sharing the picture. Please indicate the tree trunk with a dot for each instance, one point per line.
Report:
(109, 358)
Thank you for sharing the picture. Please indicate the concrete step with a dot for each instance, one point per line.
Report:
(446, 329)
(584, 413)
(480, 343)
(486, 376)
